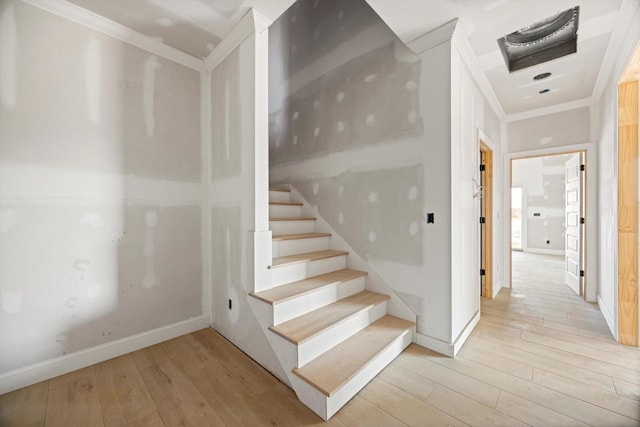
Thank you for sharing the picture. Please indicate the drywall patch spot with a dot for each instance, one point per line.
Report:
(94, 290)
(316, 188)
(316, 104)
(372, 197)
(371, 120)
(148, 248)
(8, 219)
(340, 127)
(340, 14)
(412, 194)
(295, 139)
(371, 78)
(71, 303)
(316, 3)
(316, 132)
(93, 219)
(412, 116)
(81, 264)
(11, 301)
(294, 18)
(296, 114)
(341, 190)
(210, 47)
(340, 96)
(151, 218)
(151, 64)
(414, 228)
(546, 140)
(411, 85)
(340, 218)
(8, 57)
(372, 236)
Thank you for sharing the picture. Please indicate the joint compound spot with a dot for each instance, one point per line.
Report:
(412, 116)
(316, 34)
(414, 228)
(93, 219)
(316, 132)
(371, 120)
(71, 303)
(316, 3)
(81, 264)
(94, 290)
(316, 104)
(340, 96)
(316, 188)
(546, 140)
(340, 190)
(11, 301)
(295, 139)
(373, 197)
(210, 47)
(294, 18)
(296, 115)
(148, 248)
(340, 14)
(151, 218)
(151, 64)
(411, 86)
(165, 22)
(340, 127)
(8, 219)
(412, 194)
(371, 77)
(340, 218)
(372, 236)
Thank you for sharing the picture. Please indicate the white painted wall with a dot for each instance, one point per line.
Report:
(99, 190)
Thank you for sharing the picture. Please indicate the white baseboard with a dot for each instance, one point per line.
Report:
(42, 371)
(446, 348)
(545, 251)
(608, 317)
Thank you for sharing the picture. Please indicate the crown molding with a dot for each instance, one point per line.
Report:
(252, 22)
(433, 38)
(117, 31)
(552, 109)
(469, 57)
(622, 43)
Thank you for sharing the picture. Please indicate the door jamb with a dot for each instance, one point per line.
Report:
(487, 208)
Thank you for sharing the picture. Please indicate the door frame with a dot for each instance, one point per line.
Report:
(486, 245)
(590, 231)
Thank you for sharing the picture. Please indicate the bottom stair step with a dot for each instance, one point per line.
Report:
(336, 367)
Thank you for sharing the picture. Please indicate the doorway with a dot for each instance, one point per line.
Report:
(548, 219)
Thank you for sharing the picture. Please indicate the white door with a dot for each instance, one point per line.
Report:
(574, 178)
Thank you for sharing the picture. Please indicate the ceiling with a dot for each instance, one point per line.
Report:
(197, 26)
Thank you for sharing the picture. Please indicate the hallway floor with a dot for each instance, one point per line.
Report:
(539, 356)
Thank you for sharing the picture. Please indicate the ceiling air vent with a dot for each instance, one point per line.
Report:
(542, 41)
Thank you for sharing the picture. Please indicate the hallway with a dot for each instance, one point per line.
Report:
(539, 356)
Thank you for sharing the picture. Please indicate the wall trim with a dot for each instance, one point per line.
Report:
(435, 344)
(552, 109)
(252, 22)
(608, 317)
(433, 38)
(117, 31)
(462, 338)
(543, 251)
(42, 371)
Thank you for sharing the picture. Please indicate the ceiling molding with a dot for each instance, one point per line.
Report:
(622, 43)
(433, 38)
(552, 109)
(252, 22)
(471, 60)
(117, 31)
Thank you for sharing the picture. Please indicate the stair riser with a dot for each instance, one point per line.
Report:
(279, 196)
(330, 337)
(304, 270)
(325, 406)
(299, 246)
(291, 227)
(312, 301)
(285, 211)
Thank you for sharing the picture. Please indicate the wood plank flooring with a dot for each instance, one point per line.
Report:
(540, 356)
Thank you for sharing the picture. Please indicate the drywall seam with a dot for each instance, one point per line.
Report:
(105, 26)
(205, 195)
(252, 22)
(433, 38)
(32, 374)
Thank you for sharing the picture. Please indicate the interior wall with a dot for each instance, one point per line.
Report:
(550, 130)
(99, 189)
(543, 181)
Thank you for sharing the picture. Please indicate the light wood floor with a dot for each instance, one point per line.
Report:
(539, 356)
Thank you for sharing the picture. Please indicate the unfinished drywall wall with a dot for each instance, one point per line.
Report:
(550, 130)
(99, 189)
(543, 183)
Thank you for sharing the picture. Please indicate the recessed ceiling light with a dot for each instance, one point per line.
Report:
(545, 91)
(541, 76)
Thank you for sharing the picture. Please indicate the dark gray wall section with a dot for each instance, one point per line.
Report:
(378, 213)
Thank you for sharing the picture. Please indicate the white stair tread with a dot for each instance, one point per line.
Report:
(306, 257)
(300, 236)
(286, 190)
(290, 290)
(331, 370)
(286, 203)
(286, 218)
(309, 325)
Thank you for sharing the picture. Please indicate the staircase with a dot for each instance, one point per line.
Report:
(332, 335)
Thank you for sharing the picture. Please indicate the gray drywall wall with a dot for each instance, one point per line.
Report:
(550, 130)
(543, 181)
(99, 189)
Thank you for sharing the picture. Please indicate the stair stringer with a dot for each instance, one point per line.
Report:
(374, 282)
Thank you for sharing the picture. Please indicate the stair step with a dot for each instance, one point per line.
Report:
(333, 369)
(286, 292)
(306, 257)
(300, 236)
(309, 325)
